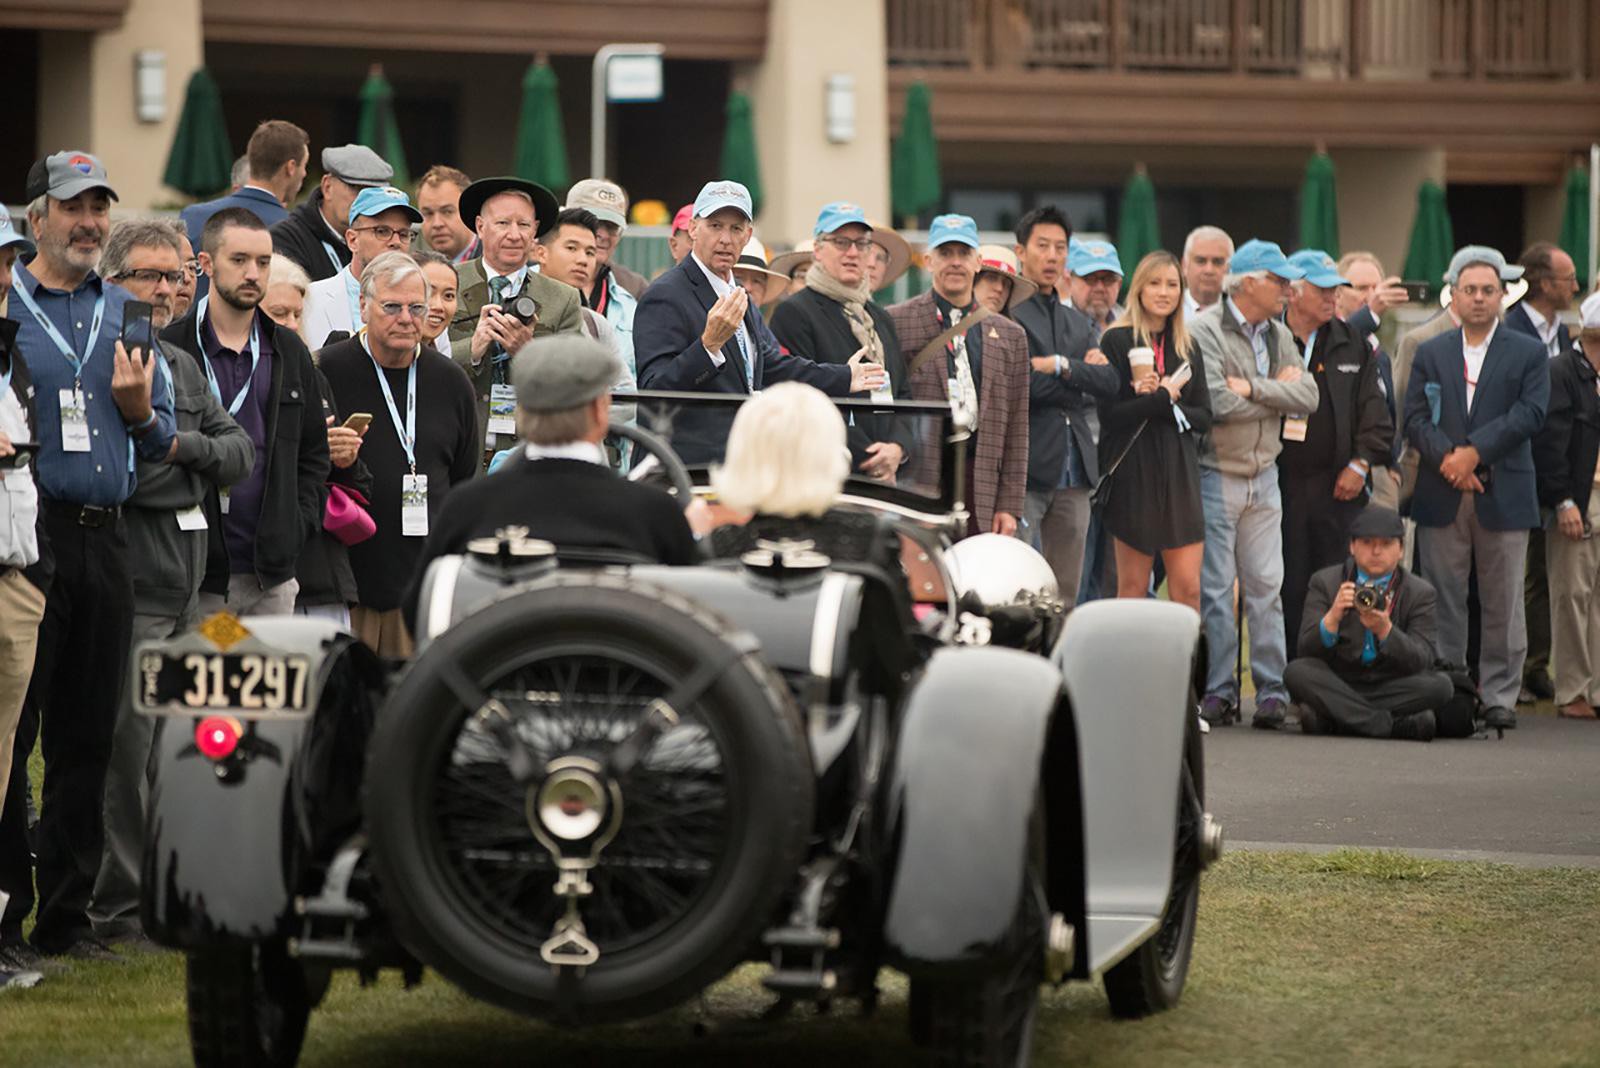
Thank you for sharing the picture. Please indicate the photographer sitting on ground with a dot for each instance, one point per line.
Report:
(1366, 642)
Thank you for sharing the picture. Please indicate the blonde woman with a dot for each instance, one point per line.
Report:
(1150, 435)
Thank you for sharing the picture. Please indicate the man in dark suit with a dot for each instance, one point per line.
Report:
(696, 330)
(277, 156)
(1068, 376)
(1475, 400)
(1552, 284)
(987, 366)
(1365, 664)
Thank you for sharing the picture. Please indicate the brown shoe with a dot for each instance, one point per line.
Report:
(1579, 709)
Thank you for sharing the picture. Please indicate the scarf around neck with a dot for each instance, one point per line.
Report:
(854, 299)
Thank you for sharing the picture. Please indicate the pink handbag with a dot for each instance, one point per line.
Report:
(346, 516)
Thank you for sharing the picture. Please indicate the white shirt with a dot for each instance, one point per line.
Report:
(1257, 333)
(587, 451)
(722, 287)
(516, 277)
(19, 497)
(1547, 328)
(327, 308)
(1474, 355)
(1191, 307)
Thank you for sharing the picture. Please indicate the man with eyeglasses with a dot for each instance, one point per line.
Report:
(165, 530)
(1094, 277)
(313, 234)
(423, 439)
(381, 220)
(263, 375)
(1475, 399)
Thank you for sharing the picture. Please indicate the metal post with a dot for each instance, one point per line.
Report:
(1594, 215)
(597, 100)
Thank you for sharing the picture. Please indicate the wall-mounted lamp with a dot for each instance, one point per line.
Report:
(150, 85)
(840, 108)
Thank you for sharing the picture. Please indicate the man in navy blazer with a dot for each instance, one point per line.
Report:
(277, 156)
(1476, 398)
(696, 330)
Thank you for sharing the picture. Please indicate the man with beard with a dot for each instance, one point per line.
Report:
(262, 373)
(98, 407)
(165, 526)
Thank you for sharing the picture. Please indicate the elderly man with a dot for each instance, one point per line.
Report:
(1206, 252)
(423, 439)
(1325, 468)
(563, 388)
(439, 202)
(698, 331)
(833, 318)
(1475, 400)
(509, 215)
(166, 534)
(1068, 376)
(381, 220)
(1256, 379)
(275, 169)
(99, 406)
(313, 234)
(959, 352)
(1094, 276)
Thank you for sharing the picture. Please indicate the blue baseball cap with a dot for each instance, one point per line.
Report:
(714, 196)
(1488, 257)
(1259, 255)
(9, 236)
(1091, 257)
(377, 199)
(840, 213)
(1318, 268)
(961, 229)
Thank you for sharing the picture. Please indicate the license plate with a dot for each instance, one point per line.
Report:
(242, 682)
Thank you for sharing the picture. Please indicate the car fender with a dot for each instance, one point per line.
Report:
(960, 801)
(1127, 667)
(223, 857)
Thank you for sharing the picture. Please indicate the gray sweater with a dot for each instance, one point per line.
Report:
(1246, 434)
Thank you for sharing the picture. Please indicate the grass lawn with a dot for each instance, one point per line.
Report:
(1352, 958)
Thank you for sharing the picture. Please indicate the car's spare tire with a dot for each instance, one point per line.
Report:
(714, 815)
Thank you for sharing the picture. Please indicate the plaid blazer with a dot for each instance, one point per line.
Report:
(1000, 465)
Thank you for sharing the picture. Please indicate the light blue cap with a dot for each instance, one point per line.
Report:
(1489, 257)
(377, 199)
(714, 196)
(1091, 257)
(1318, 268)
(1258, 255)
(9, 236)
(947, 228)
(840, 213)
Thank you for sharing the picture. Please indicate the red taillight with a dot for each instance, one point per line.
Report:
(217, 736)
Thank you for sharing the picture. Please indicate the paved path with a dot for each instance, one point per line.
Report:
(1532, 799)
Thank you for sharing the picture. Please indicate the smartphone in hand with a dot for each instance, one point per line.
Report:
(358, 421)
(137, 330)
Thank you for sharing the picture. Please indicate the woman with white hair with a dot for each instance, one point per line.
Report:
(285, 301)
(785, 466)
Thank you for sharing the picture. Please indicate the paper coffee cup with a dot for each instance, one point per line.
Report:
(1141, 360)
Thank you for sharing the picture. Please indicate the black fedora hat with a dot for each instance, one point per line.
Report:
(545, 205)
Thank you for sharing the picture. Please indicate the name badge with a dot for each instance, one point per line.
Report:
(191, 518)
(502, 409)
(222, 500)
(414, 506)
(883, 394)
(1294, 429)
(74, 421)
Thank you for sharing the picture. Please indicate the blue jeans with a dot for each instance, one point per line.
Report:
(1244, 541)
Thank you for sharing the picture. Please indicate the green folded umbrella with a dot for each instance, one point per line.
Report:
(1319, 206)
(1575, 223)
(914, 172)
(541, 154)
(200, 162)
(1432, 240)
(739, 161)
(1138, 234)
(377, 128)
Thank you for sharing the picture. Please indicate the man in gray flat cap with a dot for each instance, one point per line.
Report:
(313, 234)
(563, 387)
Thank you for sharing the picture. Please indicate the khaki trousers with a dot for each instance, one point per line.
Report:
(384, 633)
(1574, 571)
(21, 609)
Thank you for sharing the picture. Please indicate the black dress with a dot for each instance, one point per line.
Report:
(1153, 501)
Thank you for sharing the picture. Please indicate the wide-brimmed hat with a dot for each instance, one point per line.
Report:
(801, 255)
(753, 257)
(898, 248)
(999, 260)
(545, 205)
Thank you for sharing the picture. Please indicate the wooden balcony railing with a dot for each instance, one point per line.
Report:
(1417, 39)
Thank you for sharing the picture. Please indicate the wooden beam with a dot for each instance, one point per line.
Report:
(86, 15)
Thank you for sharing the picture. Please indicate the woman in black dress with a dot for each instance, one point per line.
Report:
(1150, 438)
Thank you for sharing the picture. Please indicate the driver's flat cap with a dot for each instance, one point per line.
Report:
(1376, 522)
(553, 374)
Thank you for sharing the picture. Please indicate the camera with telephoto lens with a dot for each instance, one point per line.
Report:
(522, 308)
(1371, 597)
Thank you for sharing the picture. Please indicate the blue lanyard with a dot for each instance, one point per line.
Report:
(408, 437)
(211, 375)
(333, 257)
(54, 335)
(352, 291)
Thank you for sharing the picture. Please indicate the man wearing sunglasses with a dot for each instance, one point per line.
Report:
(381, 220)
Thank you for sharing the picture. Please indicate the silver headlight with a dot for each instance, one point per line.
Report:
(1000, 571)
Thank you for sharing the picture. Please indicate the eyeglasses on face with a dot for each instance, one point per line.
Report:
(393, 308)
(845, 244)
(149, 276)
(385, 233)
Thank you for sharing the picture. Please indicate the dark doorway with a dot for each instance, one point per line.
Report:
(1487, 215)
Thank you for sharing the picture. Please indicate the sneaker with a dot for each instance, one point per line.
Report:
(1271, 713)
(87, 947)
(1311, 721)
(15, 979)
(1538, 683)
(15, 953)
(1417, 727)
(1205, 728)
(1500, 719)
(1218, 711)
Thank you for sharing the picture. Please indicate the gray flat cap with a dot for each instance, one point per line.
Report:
(553, 374)
(356, 165)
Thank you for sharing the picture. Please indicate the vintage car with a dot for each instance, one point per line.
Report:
(601, 784)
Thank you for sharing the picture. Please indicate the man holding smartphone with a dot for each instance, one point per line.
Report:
(99, 406)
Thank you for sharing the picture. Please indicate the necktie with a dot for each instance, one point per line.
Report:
(497, 289)
(966, 389)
